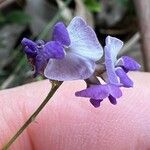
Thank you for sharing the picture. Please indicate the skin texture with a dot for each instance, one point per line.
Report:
(72, 123)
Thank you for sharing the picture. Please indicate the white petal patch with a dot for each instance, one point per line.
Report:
(114, 46)
(72, 67)
(84, 41)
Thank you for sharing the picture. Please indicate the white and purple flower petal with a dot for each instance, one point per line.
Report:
(110, 67)
(72, 67)
(113, 45)
(83, 40)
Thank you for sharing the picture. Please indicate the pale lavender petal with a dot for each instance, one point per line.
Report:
(72, 67)
(60, 34)
(83, 40)
(124, 79)
(112, 99)
(114, 46)
(128, 63)
(94, 92)
(54, 49)
(114, 91)
(110, 67)
(95, 102)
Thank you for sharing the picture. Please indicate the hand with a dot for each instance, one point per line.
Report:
(72, 123)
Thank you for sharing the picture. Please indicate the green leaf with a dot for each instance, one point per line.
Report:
(93, 5)
(19, 17)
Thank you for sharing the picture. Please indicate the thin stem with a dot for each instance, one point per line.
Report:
(55, 86)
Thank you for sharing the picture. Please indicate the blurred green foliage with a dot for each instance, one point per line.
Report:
(93, 5)
(19, 17)
(15, 16)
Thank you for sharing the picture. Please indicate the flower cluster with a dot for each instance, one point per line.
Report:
(115, 77)
(74, 53)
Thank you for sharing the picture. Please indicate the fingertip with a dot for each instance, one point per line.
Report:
(68, 121)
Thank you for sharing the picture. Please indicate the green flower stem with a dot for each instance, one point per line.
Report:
(55, 86)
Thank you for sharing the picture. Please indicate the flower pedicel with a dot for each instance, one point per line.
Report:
(75, 53)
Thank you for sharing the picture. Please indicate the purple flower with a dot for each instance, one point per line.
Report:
(80, 54)
(70, 56)
(116, 71)
(38, 53)
(75, 53)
